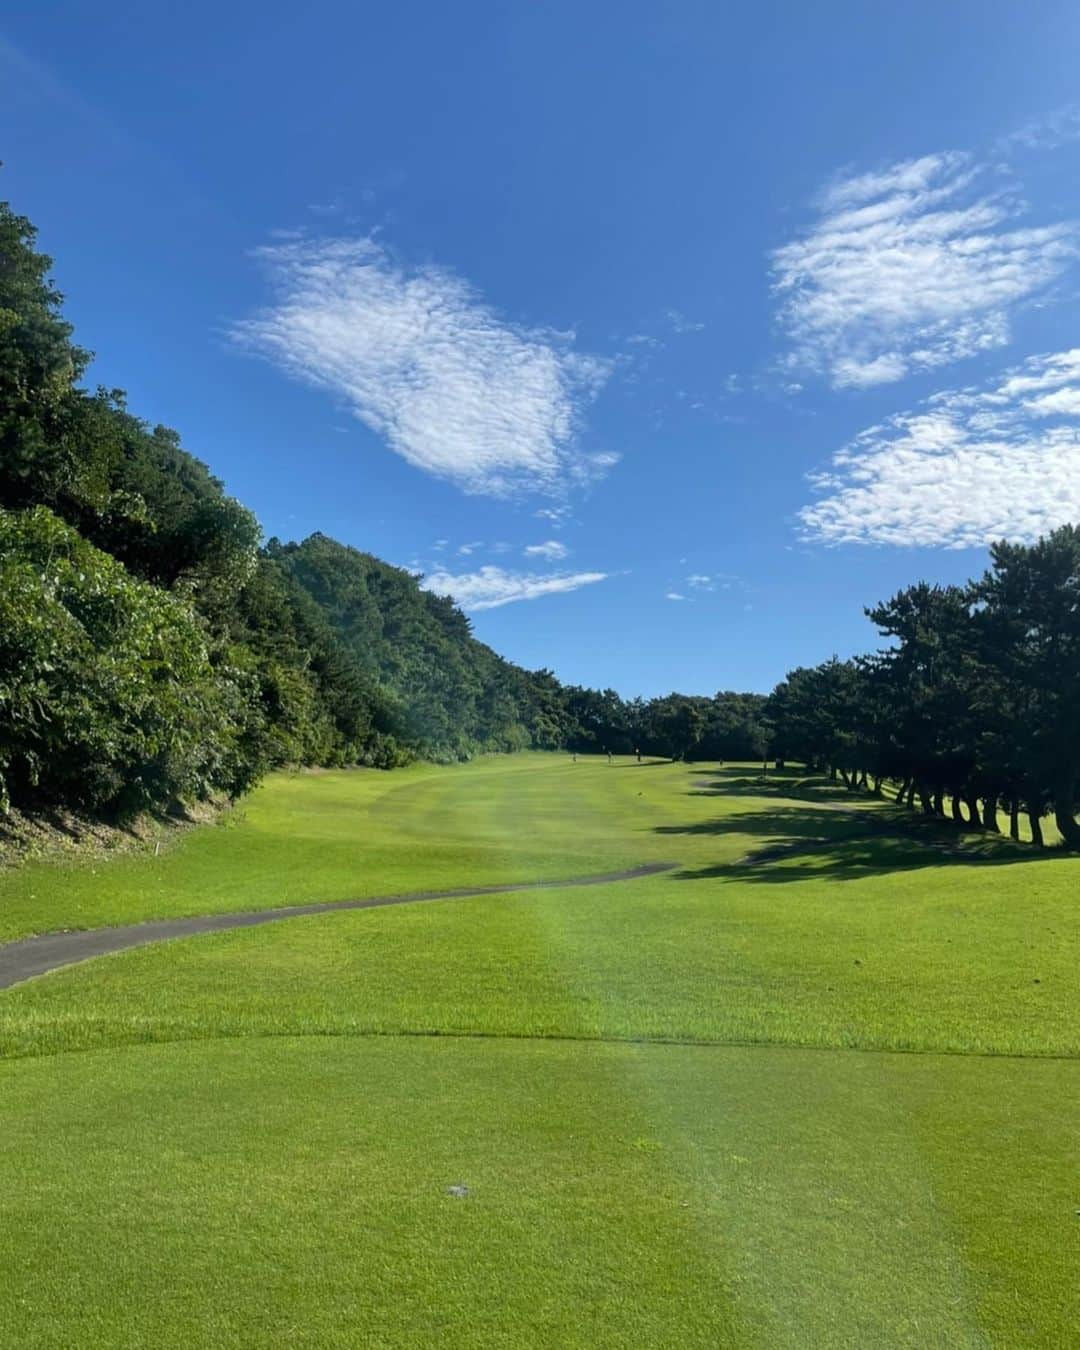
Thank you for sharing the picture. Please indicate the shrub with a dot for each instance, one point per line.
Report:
(108, 698)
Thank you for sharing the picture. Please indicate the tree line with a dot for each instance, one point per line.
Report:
(973, 707)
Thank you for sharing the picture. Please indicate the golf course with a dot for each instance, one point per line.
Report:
(809, 1077)
(539, 677)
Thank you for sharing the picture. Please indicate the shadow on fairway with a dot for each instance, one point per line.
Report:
(781, 822)
(809, 842)
(742, 782)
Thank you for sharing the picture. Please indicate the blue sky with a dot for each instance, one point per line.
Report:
(664, 336)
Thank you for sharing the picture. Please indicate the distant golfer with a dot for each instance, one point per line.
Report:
(638, 753)
(610, 757)
(575, 756)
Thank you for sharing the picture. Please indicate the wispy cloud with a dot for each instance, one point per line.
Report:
(420, 358)
(680, 323)
(557, 517)
(491, 587)
(550, 549)
(674, 595)
(967, 467)
(1049, 132)
(912, 267)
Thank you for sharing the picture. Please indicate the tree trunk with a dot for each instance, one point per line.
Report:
(957, 810)
(927, 801)
(905, 783)
(1065, 815)
(939, 802)
(877, 786)
(973, 811)
(832, 772)
(990, 820)
(1014, 820)
(1036, 829)
(862, 780)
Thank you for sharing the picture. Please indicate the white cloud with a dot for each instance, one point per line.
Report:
(681, 324)
(493, 586)
(419, 357)
(674, 595)
(1046, 133)
(466, 549)
(910, 268)
(550, 549)
(967, 467)
(700, 581)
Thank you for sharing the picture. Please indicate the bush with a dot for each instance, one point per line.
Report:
(108, 698)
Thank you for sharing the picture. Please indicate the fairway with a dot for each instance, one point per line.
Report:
(816, 1085)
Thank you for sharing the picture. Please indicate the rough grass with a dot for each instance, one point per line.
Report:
(278, 1174)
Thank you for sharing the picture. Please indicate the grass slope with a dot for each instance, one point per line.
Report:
(252, 1152)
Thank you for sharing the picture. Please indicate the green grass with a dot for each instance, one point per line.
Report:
(676, 1101)
(338, 835)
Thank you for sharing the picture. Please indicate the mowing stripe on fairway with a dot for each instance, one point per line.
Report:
(49, 951)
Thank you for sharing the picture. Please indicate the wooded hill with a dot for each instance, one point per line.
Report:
(153, 651)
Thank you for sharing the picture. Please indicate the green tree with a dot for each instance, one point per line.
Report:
(108, 698)
(1032, 622)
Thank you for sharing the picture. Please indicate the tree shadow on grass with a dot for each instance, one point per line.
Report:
(810, 843)
(794, 786)
(780, 822)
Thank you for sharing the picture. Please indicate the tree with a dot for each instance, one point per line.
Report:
(1032, 625)
(679, 722)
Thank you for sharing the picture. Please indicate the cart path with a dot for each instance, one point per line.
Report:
(24, 959)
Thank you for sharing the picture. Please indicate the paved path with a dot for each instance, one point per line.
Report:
(37, 955)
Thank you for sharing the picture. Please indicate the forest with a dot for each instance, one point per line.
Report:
(155, 650)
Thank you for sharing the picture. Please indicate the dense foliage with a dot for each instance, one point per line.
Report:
(974, 705)
(107, 691)
(677, 726)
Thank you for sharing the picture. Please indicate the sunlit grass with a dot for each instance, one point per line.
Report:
(278, 1174)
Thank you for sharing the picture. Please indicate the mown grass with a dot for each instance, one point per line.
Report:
(333, 836)
(279, 1173)
(291, 1192)
(943, 958)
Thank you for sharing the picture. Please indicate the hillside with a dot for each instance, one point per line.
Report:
(151, 650)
